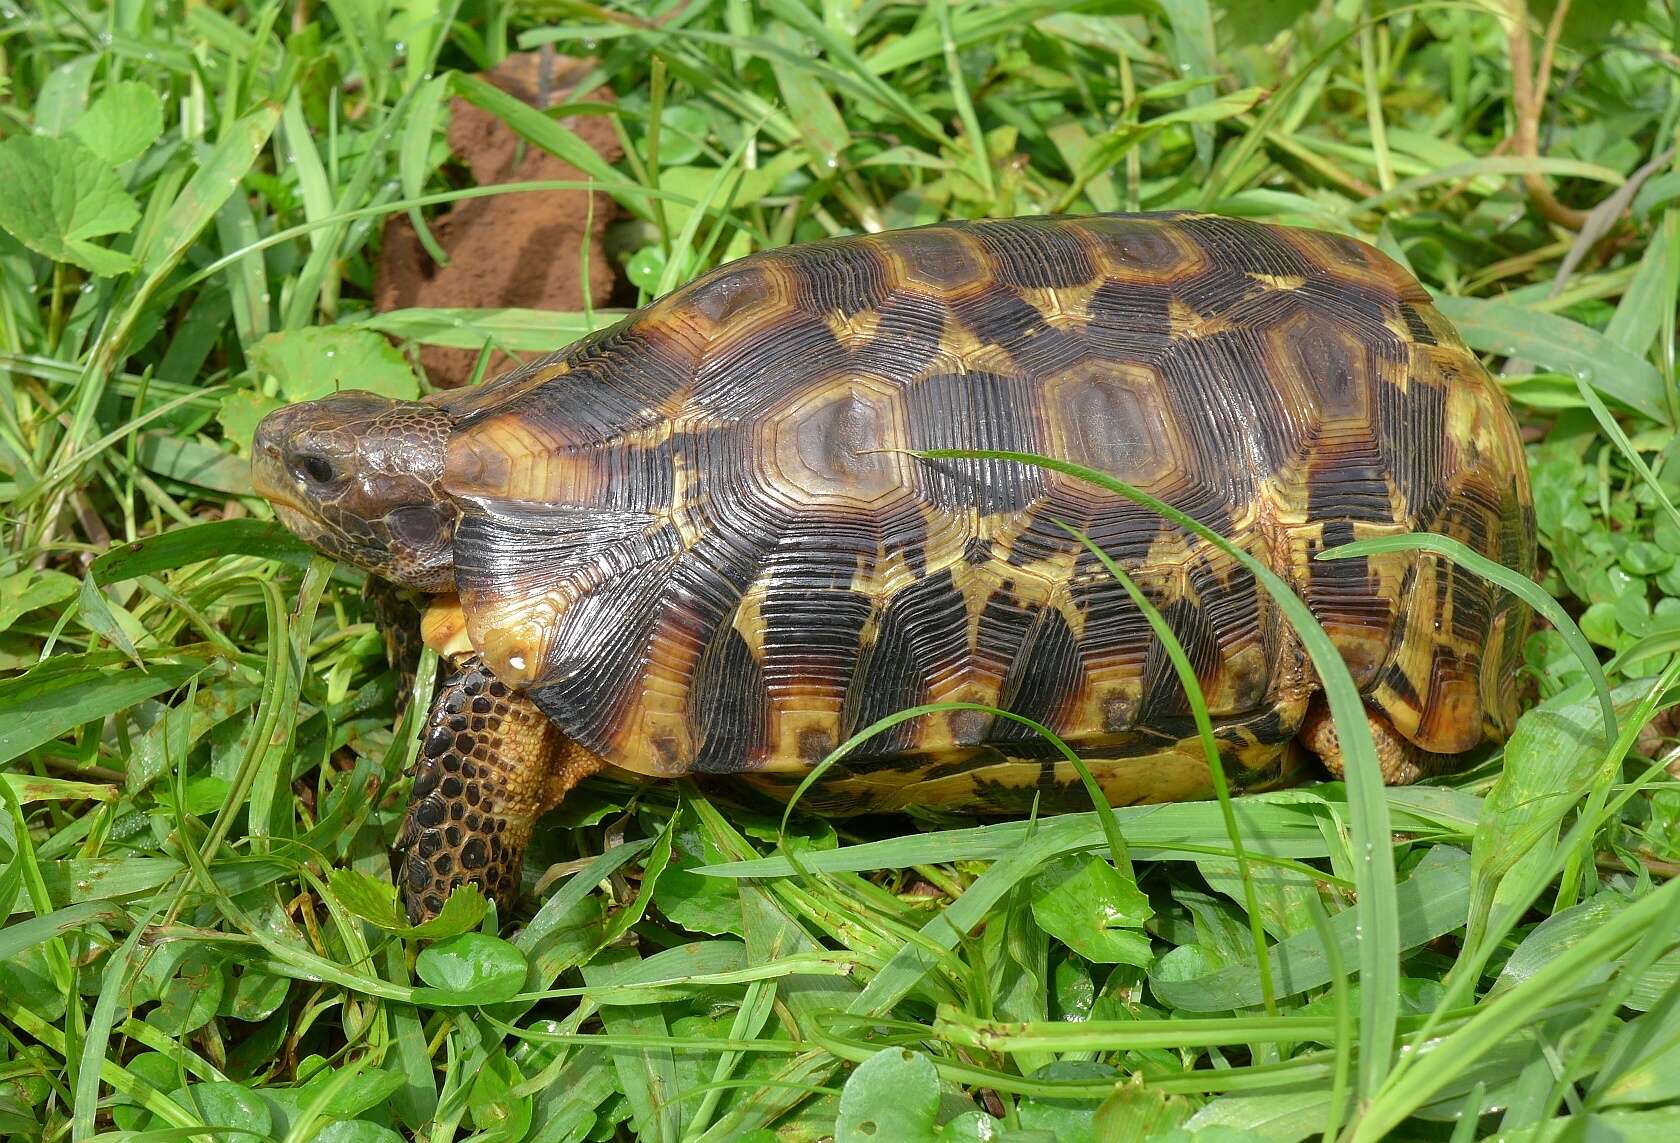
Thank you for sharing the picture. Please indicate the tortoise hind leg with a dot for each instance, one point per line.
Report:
(1402, 763)
(490, 764)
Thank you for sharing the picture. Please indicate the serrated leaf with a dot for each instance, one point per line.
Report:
(56, 195)
(319, 360)
(125, 120)
(375, 901)
(371, 899)
(462, 910)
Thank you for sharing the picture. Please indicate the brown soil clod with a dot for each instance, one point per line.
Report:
(516, 250)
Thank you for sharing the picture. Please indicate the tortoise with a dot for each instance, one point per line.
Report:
(703, 541)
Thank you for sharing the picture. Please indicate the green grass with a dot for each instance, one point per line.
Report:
(202, 744)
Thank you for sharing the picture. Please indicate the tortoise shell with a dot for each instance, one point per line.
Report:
(702, 542)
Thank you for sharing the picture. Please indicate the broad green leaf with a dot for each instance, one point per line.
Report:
(1638, 315)
(1562, 345)
(224, 1104)
(1137, 1113)
(240, 413)
(126, 119)
(219, 175)
(319, 360)
(365, 1090)
(193, 462)
(355, 1131)
(472, 968)
(374, 900)
(191, 997)
(514, 330)
(371, 899)
(1432, 901)
(1553, 753)
(254, 995)
(158, 1072)
(1084, 902)
(894, 1095)
(56, 195)
(1076, 1120)
(194, 543)
(1268, 1117)
(462, 910)
(100, 616)
(808, 101)
(67, 691)
(63, 97)
(1643, 1064)
(24, 591)
(496, 1111)
(1241, 23)
(698, 904)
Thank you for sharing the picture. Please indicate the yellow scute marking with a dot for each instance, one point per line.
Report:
(443, 628)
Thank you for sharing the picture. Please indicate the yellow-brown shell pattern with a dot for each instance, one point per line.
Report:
(700, 541)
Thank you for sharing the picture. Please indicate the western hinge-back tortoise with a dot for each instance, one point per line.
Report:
(701, 541)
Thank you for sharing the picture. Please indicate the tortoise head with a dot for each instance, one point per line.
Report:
(360, 477)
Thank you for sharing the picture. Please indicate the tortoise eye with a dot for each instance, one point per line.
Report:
(313, 468)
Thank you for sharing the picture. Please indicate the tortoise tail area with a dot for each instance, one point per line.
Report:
(490, 764)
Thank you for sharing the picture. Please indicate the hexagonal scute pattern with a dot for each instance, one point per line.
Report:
(704, 542)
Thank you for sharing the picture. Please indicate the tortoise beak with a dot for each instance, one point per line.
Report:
(268, 471)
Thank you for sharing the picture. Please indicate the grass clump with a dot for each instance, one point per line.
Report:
(202, 742)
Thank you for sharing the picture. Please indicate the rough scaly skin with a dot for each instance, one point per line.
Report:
(490, 764)
(1401, 763)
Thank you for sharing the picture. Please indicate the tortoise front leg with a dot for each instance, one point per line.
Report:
(490, 764)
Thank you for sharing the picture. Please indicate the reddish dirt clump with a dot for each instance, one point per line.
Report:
(519, 250)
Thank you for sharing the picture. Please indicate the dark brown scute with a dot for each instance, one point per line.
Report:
(980, 411)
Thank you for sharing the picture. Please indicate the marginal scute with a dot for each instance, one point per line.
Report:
(702, 542)
(942, 261)
(1133, 248)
